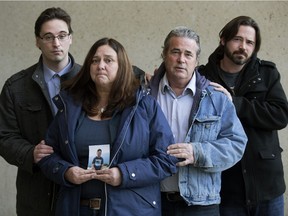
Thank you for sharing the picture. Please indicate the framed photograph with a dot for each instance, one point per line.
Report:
(99, 156)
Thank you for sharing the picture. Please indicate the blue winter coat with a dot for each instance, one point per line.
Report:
(139, 151)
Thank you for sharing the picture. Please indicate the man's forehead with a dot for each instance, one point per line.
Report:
(54, 25)
(182, 44)
(247, 32)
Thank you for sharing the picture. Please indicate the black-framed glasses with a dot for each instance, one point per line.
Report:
(48, 38)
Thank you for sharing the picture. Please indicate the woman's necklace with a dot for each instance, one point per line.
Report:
(102, 109)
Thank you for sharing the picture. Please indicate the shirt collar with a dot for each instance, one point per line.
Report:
(164, 85)
(48, 73)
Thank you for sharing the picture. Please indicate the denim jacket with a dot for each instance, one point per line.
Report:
(218, 141)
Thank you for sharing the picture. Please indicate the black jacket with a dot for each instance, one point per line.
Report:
(25, 114)
(261, 105)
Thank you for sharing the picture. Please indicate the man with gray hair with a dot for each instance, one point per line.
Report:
(209, 136)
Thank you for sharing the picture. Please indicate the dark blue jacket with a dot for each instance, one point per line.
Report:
(139, 151)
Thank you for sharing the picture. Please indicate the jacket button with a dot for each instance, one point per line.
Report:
(55, 169)
(56, 98)
(154, 202)
(133, 175)
(66, 142)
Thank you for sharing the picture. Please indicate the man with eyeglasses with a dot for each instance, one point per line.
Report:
(26, 110)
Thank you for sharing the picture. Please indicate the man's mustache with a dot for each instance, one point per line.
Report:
(241, 52)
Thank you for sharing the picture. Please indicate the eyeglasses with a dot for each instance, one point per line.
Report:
(48, 38)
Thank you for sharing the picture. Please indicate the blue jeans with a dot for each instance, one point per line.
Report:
(266, 208)
(180, 208)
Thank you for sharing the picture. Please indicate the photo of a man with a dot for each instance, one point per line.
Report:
(99, 156)
(98, 160)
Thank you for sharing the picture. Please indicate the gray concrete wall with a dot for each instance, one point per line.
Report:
(141, 27)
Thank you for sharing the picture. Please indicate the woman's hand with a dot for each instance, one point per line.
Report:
(77, 175)
(110, 176)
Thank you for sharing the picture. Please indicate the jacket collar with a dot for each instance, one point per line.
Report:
(201, 81)
(218, 54)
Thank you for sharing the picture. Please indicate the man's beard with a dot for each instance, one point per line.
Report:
(234, 58)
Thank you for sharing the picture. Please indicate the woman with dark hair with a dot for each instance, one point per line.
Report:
(104, 105)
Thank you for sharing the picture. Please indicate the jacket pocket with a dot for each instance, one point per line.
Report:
(30, 107)
(267, 155)
(130, 201)
(205, 128)
(34, 120)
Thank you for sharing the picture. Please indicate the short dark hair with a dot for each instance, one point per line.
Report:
(232, 27)
(50, 14)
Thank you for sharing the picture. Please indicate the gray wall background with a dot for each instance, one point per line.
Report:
(141, 27)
